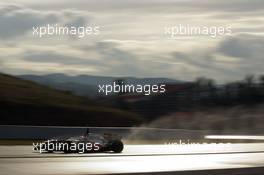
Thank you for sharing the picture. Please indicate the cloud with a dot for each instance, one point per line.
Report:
(243, 46)
(231, 59)
(53, 57)
(131, 40)
(175, 5)
(122, 62)
(17, 20)
(110, 58)
(249, 48)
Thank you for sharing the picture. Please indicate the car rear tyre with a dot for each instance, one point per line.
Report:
(117, 146)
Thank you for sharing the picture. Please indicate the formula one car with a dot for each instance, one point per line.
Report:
(89, 142)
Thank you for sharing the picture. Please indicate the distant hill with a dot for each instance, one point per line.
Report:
(87, 85)
(27, 103)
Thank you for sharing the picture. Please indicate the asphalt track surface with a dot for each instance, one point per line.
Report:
(21, 160)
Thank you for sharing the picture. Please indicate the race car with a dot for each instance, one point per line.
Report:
(87, 143)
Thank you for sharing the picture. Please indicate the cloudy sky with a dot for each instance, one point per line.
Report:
(132, 40)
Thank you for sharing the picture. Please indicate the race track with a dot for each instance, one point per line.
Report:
(134, 159)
